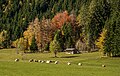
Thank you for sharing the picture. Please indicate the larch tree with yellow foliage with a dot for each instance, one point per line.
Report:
(101, 40)
(21, 44)
(3, 39)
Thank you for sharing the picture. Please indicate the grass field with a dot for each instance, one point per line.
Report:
(91, 64)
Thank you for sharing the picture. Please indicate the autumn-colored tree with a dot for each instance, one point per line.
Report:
(101, 40)
(75, 27)
(60, 19)
(3, 36)
(68, 27)
(41, 30)
(14, 43)
(28, 34)
(33, 29)
(37, 28)
(46, 32)
(73, 18)
(20, 44)
(3, 39)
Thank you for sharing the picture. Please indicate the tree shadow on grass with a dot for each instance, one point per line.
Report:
(54, 57)
(69, 56)
(65, 57)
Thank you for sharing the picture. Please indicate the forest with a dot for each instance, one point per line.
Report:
(54, 25)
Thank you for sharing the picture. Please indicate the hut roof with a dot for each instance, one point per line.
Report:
(70, 49)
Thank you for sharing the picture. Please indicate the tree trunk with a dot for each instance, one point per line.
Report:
(55, 54)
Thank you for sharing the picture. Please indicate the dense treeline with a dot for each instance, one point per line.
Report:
(16, 14)
(84, 24)
(112, 40)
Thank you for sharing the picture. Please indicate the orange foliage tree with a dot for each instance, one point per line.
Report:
(44, 30)
(33, 29)
(60, 19)
(41, 30)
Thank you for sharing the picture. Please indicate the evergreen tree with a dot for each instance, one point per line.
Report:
(55, 46)
(58, 37)
(92, 20)
(112, 41)
(68, 35)
(33, 46)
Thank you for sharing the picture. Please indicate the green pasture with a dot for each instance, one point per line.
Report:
(91, 64)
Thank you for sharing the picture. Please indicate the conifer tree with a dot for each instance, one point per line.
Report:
(33, 46)
(55, 46)
(112, 41)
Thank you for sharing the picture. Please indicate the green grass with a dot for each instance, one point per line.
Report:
(91, 65)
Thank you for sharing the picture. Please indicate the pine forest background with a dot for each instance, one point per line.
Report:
(40, 25)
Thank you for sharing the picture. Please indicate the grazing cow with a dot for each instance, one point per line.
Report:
(80, 64)
(69, 63)
(16, 60)
(31, 60)
(56, 62)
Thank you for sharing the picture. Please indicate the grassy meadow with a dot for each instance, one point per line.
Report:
(91, 64)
